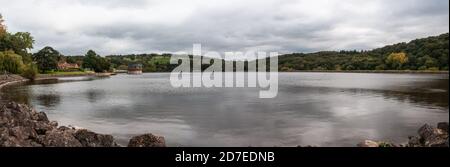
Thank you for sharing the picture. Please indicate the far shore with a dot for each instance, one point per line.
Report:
(71, 74)
(17, 79)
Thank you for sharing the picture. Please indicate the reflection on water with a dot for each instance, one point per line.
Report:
(324, 109)
(48, 100)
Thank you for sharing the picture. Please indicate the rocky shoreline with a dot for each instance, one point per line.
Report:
(428, 136)
(22, 126)
(10, 79)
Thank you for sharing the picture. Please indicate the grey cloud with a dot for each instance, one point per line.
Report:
(121, 27)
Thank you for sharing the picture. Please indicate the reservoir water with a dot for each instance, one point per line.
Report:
(321, 109)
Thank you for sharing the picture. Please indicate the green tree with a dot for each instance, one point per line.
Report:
(430, 62)
(47, 59)
(2, 26)
(95, 62)
(20, 42)
(122, 67)
(10, 62)
(90, 60)
(396, 60)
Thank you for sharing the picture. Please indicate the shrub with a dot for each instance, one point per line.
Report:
(433, 69)
(30, 71)
(11, 62)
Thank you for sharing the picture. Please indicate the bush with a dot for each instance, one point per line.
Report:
(11, 62)
(422, 68)
(433, 69)
(30, 71)
(380, 67)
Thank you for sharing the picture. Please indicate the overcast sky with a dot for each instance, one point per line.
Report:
(149, 26)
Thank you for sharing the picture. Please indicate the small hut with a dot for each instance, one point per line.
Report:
(134, 68)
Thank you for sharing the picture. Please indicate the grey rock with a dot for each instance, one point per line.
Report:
(414, 141)
(443, 126)
(368, 143)
(91, 139)
(57, 138)
(147, 140)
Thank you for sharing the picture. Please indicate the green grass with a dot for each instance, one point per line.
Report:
(70, 73)
(65, 74)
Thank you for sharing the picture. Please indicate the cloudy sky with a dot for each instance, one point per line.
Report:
(144, 26)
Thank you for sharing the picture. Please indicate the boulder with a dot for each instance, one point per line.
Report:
(443, 126)
(147, 140)
(41, 116)
(426, 131)
(56, 138)
(414, 141)
(387, 144)
(91, 139)
(368, 143)
(432, 137)
(23, 133)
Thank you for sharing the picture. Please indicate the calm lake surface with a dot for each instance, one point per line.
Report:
(322, 109)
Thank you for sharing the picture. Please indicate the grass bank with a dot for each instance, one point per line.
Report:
(65, 74)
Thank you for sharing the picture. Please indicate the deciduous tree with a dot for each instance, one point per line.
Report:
(47, 59)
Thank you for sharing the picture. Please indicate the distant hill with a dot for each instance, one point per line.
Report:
(421, 54)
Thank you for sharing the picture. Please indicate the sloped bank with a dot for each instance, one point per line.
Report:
(22, 126)
(6, 80)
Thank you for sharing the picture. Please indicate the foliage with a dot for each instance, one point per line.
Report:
(11, 62)
(30, 71)
(19, 42)
(2, 26)
(14, 49)
(122, 67)
(396, 60)
(421, 54)
(150, 62)
(47, 59)
(95, 62)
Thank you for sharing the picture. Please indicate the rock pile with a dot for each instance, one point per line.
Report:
(21, 126)
(147, 140)
(429, 136)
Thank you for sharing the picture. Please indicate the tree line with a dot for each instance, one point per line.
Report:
(421, 54)
(16, 56)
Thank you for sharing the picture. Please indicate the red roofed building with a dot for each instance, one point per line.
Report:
(67, 66)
